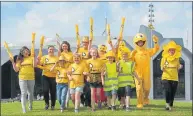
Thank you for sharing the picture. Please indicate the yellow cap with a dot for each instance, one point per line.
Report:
(61, 58)
(85, 39)
(110, 54)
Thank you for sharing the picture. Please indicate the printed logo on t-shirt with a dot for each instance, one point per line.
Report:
(83, 54)
(91, 66)
(58, 72)
(73, 69)
(46, 60)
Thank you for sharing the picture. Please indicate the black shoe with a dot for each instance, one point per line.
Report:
(124, 107)
(46, 107)
(52, 107)
(113, 108)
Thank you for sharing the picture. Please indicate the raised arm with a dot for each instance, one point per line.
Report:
(59, 46)
(153, 51)
(53, 67)
(90, 44)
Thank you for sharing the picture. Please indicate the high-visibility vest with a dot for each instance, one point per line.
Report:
(126, 77)
(111, 80)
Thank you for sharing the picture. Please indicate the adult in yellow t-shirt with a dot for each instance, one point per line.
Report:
(170, 66)
(77, 70)
(65, 50)
(61, 80)
(49, 82)
(25, 66)
(84, 50)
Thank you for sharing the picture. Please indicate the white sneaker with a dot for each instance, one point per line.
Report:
(81, 105)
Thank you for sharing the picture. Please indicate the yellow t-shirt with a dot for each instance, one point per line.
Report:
(48, 62)
(170, 72)
(95, 66)
(68, 56)
(77, 74)
(84, 53)
(61, 75)
(26, 69)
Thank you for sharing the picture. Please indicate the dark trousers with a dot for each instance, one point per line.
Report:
(170, 88)
(86, 95)
(49, 85)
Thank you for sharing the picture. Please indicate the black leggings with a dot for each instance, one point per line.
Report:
(86, 95)
(170, 88)
(49, 85)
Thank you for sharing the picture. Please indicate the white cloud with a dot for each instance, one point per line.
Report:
(171, 18)
(51, 18)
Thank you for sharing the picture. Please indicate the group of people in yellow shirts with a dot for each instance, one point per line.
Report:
(109, 74)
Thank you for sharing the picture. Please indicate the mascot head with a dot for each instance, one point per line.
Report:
(171, 51)
(140, 41)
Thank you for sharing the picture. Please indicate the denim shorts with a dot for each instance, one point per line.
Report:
(77, 89)
(110, 93)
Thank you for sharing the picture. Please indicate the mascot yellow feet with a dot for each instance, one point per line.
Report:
(139, 106)
(146, 102)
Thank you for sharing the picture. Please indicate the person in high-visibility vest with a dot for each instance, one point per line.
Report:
(110, 80)
(170, 65)
(141, 55)
(125, 79)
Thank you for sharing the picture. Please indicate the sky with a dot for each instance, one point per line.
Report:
(20, 19)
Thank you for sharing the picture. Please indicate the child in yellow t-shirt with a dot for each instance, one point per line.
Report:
(61, 80)
(95, 64)
(170, 66)
(76, 73)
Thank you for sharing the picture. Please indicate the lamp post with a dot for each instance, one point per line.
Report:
(151, 20)
(150, 26)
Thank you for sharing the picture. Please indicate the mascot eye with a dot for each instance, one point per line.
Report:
(141, 35)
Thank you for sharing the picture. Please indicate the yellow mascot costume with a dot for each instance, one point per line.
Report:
(142, 56)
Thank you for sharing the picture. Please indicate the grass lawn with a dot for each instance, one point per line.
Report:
(156, 108)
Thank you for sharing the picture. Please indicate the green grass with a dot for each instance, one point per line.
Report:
(156, 108)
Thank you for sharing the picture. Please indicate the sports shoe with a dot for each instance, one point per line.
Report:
(113, 108)
(30, 108)
(76, 110)
(124, 107)
(128, 109)
(46, 107)
(168, 107)
(93, 110)
(99, 105)
(52, 107)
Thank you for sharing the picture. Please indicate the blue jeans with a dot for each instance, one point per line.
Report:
(62, 89)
